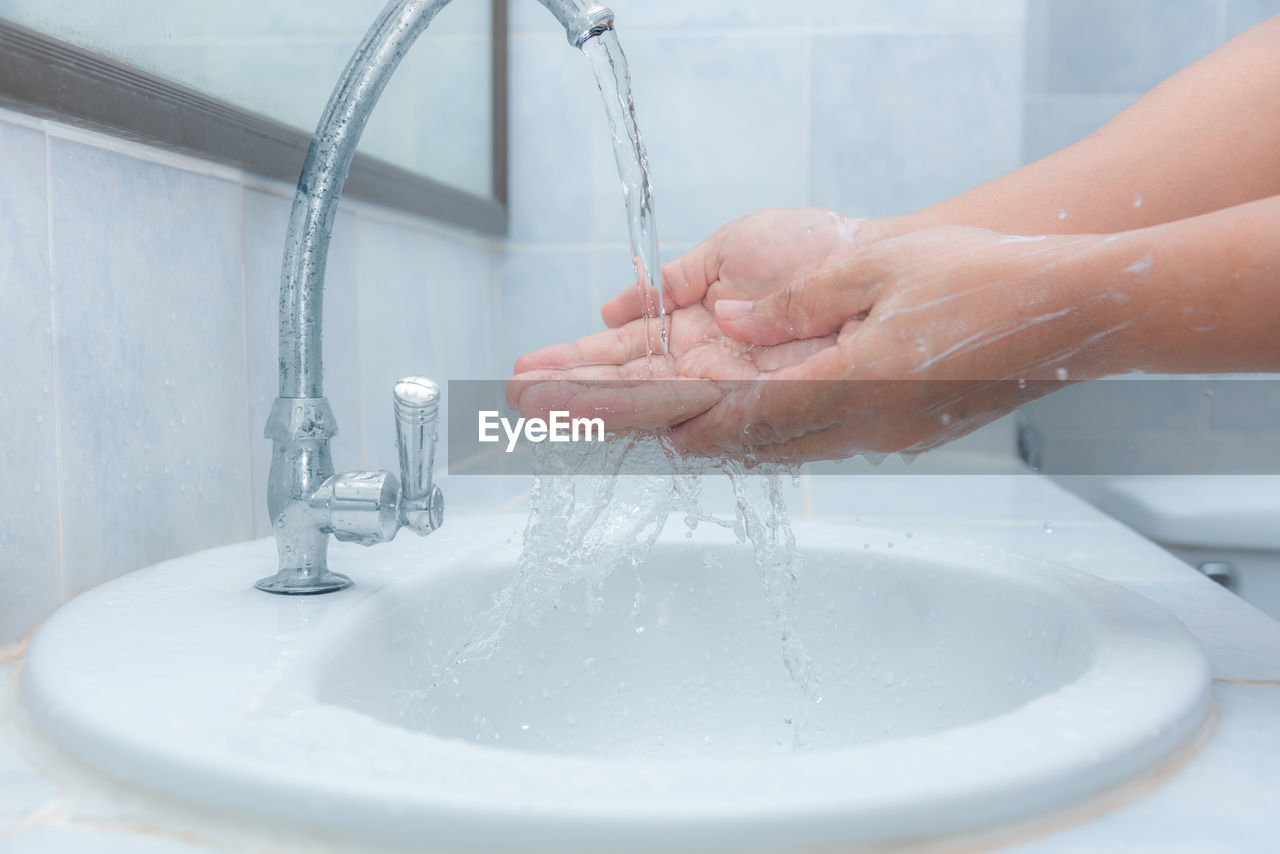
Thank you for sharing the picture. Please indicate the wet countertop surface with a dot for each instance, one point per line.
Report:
(1220, 796)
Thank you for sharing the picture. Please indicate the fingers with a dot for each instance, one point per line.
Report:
(606, 347)
(812, 307)
(648, 403)
(793, 404)
(684, 281)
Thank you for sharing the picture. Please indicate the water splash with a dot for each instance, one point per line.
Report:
(584, 527)
(614, 79)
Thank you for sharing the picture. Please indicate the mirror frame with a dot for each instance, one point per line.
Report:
(51, 78)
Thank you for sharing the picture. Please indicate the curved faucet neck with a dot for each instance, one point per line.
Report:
(329, 159)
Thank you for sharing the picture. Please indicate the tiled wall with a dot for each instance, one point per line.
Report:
(1087, 60)
(138, 340)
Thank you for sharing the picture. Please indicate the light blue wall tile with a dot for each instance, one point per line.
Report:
(1243, 14)
(919, 14)
(149, 301)
(1052, 122)
(546, 299)
(1136, 451)
(1108, 47)
(425, 308)
(395, 305)
(464, 329)
(1245, 404)
(902, 121)
(1164, 405)
(464, 325)
(554, 108)
(30, 571)
(266, 218)
(724, 121)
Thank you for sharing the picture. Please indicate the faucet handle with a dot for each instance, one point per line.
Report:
(417, 407)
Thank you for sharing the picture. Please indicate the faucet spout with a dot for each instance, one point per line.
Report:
(581, 20)
(306, 500)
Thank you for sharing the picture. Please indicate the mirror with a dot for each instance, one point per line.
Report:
(280, 60)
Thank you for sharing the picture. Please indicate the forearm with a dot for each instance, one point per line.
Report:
(1200, 295)
(1206, 139)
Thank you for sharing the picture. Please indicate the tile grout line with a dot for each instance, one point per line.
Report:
(57, 390)
(806, 106)
(359, 233)
(248, 373)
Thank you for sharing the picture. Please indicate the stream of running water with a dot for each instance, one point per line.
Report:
(602, 509)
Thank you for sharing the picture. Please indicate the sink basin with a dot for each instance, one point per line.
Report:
(960, 687)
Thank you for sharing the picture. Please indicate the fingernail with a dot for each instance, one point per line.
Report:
(733, 309)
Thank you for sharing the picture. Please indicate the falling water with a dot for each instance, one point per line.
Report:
(610, 67)
(583, 527)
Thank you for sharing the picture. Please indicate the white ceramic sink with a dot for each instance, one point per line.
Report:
(961, 687)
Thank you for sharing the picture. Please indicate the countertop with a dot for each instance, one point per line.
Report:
(1221, 798)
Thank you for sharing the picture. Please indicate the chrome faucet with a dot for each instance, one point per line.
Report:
(307, 501)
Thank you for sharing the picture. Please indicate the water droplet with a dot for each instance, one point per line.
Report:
(946, 418)
(1062, 214)
(1022, 383)
(1061, 374)
(1137, 200)
(1048, 527)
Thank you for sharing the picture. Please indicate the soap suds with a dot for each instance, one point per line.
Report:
(1141, 266)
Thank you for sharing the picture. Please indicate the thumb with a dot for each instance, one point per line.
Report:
(812, 307)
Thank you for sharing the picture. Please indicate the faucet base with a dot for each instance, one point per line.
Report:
(296, 582)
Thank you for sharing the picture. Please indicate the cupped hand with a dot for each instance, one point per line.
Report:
(754, 256)
(620, 375)
(900, 345)
(932, 334)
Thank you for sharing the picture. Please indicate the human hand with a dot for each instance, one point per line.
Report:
(750, 257)
(933, 334)
(753, 256)
(907, 344)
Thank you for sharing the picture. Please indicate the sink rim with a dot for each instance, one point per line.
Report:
(504, 800)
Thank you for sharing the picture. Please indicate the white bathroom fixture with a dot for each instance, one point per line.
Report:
(1227, 526)
(961, 687)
